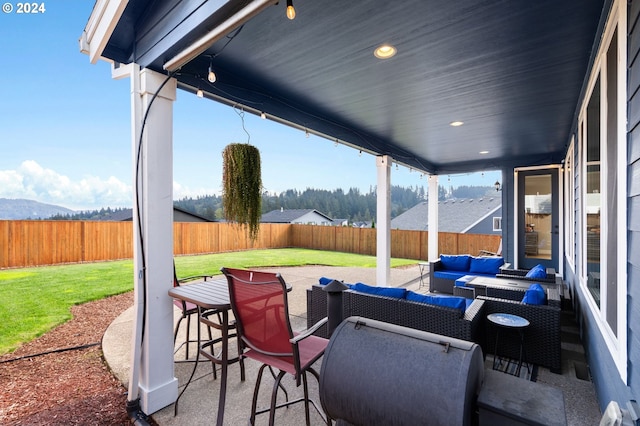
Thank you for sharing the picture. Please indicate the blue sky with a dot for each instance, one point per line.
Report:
(65, 128)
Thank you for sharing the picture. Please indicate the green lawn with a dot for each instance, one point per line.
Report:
(35, 300)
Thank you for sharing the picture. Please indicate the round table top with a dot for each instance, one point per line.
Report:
(508, 320)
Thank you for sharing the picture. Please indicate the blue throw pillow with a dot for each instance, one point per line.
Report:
(456, 262)
(537, 271)
(534, 295)
(486, 265)
(395, 292)
(448, 301)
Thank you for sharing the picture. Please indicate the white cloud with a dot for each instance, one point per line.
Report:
(181, 191)
(32, 181)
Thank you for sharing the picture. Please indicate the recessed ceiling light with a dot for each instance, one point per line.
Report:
(384, 51)
(456, 123)
(484, 152)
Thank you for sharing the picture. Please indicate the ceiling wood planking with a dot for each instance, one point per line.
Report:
(511, 71)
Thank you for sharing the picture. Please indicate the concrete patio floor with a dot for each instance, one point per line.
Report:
(198, 405)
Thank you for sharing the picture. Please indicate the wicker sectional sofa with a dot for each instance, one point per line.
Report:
(421, 316)
(444, 272)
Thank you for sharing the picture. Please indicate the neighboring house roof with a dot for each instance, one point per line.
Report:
(289, 215)
(119, 216)
(455, 215)
(179, 215)
(362, 224)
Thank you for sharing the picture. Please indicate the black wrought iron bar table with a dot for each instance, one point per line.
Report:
(211, 297)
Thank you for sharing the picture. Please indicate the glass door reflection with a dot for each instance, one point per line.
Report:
(538, 217)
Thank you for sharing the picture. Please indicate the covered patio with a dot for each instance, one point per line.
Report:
(434, 86)
(198, 405)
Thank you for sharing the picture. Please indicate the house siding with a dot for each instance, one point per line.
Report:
(606, 377)
(485, 226)
(312, 217)
(633, 203)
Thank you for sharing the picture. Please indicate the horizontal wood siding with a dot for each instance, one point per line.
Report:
(633, 208)
(34, 243)
(609, 386)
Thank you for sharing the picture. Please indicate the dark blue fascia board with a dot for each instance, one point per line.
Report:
(151, 32)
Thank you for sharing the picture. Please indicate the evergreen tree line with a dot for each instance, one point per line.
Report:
(352, 205)
(105, 213)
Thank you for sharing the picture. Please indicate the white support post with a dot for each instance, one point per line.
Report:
(383, 217)
(432, 207)
(152, 362)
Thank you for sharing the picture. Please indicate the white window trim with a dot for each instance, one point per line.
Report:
(569, 183)
(616, 342)
(497, 219)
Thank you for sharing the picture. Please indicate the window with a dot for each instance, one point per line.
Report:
(570, 217)
(592, 200)
(497, 224)
(600, 249)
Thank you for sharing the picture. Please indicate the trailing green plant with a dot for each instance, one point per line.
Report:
(242, 186)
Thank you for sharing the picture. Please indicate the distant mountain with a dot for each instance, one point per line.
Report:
(16, 209)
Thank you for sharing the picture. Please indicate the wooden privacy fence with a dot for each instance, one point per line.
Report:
(41, 242)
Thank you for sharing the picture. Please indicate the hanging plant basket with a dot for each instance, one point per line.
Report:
(242, 186)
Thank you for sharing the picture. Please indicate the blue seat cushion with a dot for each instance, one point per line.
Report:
(455, 262)
(462, 281)
(534, 295)
(398, 293)
(486, 265)
(447, 301)
(537, 271)
(449, 275)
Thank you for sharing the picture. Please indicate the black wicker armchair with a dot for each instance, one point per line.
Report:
(542, 342)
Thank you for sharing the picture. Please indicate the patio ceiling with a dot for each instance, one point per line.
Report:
(511, 70)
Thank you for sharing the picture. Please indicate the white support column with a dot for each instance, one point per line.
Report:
(153, 251)
(433, 218)
(383, 218)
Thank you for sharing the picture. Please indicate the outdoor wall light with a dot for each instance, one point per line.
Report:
(497, 186)
(200, 93)
(291, 12)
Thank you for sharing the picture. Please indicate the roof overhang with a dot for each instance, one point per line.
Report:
(513, 72)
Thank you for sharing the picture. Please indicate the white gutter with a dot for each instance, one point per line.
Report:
(202, 44)
(100, 27)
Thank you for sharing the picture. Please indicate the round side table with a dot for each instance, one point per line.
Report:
(508, 322)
